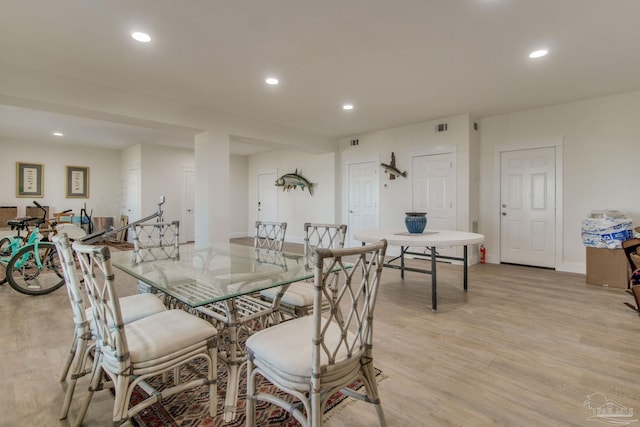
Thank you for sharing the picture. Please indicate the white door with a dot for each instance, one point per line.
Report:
(267, 197)
(434, 183)
(362, 199)
(527, 207)
(133, 197)
(187, 226)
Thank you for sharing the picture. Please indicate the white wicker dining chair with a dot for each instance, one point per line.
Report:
(130, 353)
(133, 307)
(155, 240)
(312, 357)
(269, 235)
(298, 299)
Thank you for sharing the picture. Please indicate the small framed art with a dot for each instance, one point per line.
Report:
(77, 182)
(29, 180)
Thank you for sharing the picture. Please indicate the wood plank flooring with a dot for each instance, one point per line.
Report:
(523, 347)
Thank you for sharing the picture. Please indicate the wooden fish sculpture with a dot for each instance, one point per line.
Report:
(392, 169)
(290, 181)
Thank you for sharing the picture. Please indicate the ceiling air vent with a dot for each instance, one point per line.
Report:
(441, 127)
(354, 142)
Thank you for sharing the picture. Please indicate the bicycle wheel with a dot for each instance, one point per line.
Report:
(35, 272)
(5, 252)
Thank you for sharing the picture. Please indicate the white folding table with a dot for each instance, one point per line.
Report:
(430, 239)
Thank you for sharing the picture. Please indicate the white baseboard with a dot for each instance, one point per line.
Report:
(239, 235)
(572, 267)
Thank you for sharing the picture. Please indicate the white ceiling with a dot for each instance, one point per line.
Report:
(397, 61)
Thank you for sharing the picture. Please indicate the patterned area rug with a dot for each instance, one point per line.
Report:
(190, 407)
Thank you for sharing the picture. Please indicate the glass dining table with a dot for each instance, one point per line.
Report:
(221, 283)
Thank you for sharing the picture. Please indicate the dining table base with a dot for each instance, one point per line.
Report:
(234, 317)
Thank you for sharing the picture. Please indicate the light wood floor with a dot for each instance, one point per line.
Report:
(523, 347)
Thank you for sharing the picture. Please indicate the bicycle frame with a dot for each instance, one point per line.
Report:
(35, 241)
(17, 243)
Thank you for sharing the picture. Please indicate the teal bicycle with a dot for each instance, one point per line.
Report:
(31, 263)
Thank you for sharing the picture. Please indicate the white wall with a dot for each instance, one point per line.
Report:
(239, 170)
(161, 173)
(601, 152)
(130, 159)
(296, 206)
(104, 170)
(405, 142)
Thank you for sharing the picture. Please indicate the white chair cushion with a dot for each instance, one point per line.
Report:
(138, 306)
(299, 294)
(287, 348)
(134, 307)
(172, 331)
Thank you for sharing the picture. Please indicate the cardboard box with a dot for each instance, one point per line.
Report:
(7, 213)
(36, 212)
(607, 267)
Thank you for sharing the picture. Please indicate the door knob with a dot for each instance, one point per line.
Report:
(504, 214)
(504, 205)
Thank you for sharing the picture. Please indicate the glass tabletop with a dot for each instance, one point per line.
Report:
(198, 276)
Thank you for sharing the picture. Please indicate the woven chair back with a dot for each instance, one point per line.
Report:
(95, 264)
(156, 240)
(269, 235)
(347, 279)
(325, 236)
(71, 279)
(266, 256)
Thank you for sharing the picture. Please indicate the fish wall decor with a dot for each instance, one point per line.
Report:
(290, 181)
(392, 169)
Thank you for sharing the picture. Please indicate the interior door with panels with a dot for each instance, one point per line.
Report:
(433, 191)
(527, 207)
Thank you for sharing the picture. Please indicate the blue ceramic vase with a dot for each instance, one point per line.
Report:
(416, 222)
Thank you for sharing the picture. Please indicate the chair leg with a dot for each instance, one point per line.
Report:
(213, 381)
(315, 417)
(96, 378)
(120, 404)
(372, 391)
(250, 403)
(77, 372)
(72, 354)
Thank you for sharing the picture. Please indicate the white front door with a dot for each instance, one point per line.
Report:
(362, 199)
(527, 207)
(187, 227)
(434, 183)
(267, 197)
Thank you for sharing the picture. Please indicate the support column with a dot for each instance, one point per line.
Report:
(212, 218)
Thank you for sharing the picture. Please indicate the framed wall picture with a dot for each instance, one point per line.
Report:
(77, 182)
(29, 180)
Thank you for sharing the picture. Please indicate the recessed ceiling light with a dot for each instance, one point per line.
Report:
(58, 134)
(347, 107)
(272, 81)
(141, 37)
(538, 53)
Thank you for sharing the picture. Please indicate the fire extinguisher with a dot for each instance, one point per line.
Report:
(483, 254)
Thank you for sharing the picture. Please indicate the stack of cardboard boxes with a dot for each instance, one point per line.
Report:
(603, 233)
